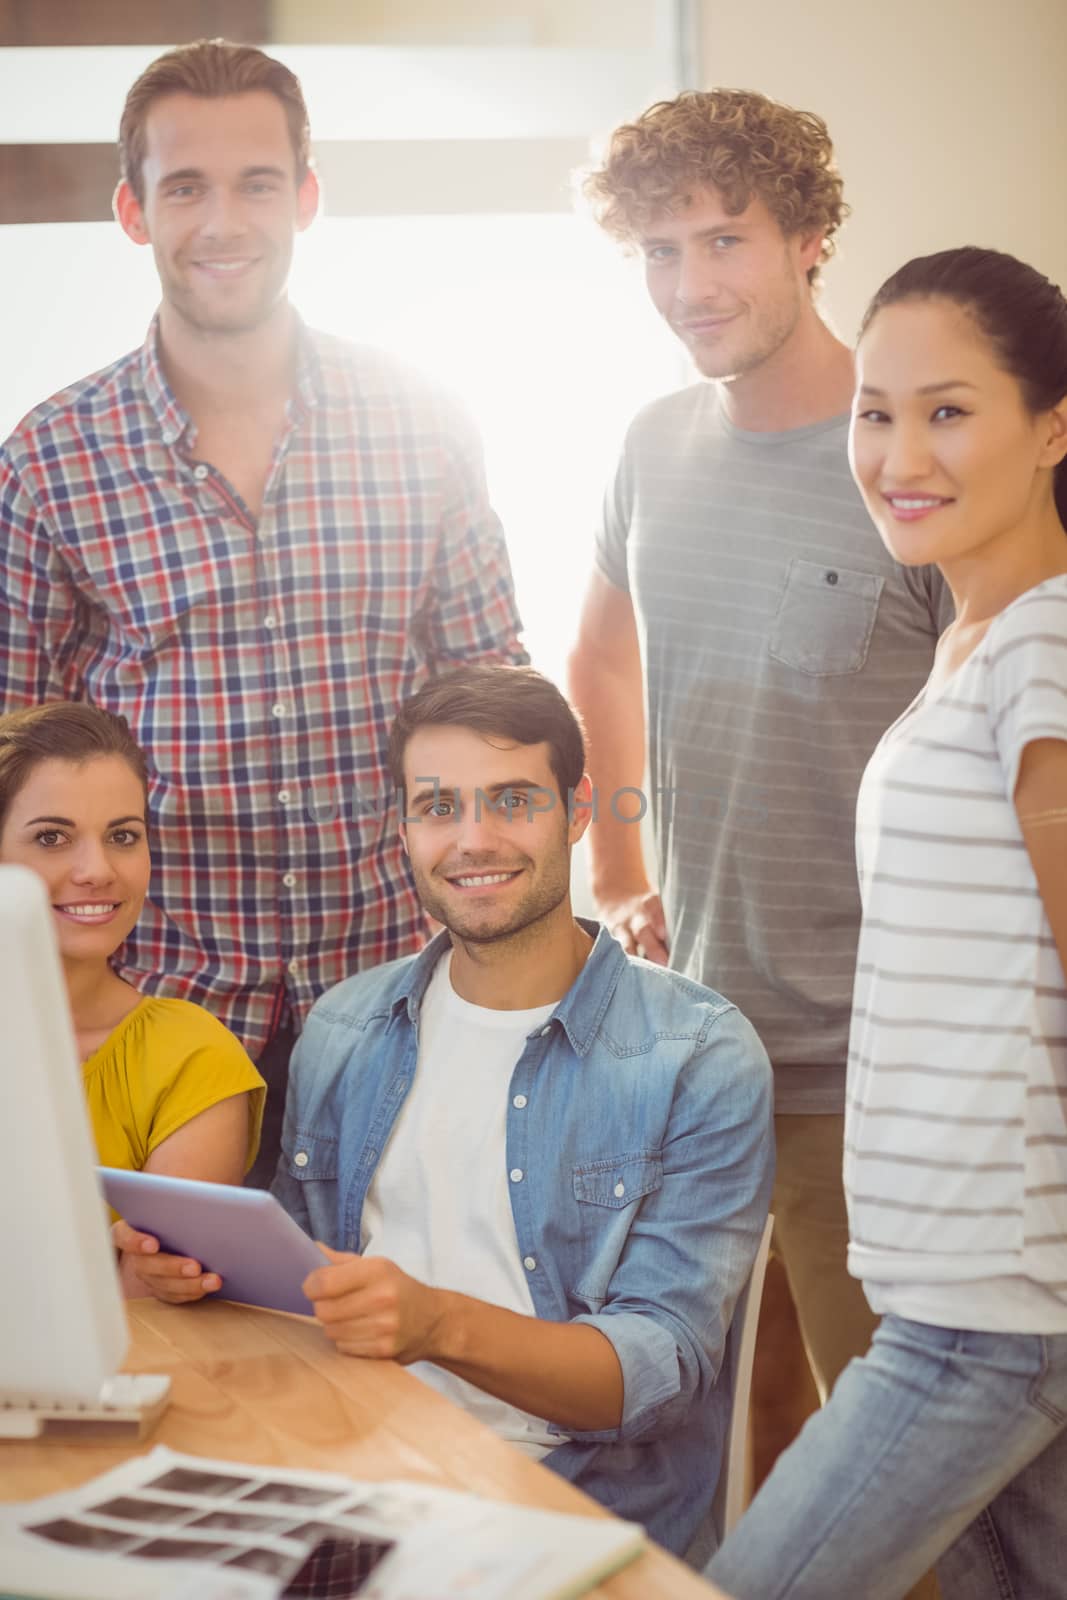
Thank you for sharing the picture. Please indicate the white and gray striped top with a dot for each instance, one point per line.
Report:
(956, 1125)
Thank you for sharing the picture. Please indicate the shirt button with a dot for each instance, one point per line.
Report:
(515, 1174)
(284, 797)
(519, 1102)
(277, 710)
(294, 965)
(289, 879)
(300, 1159)
(620, 1190)
(170, 436)
(546, 1029)
(270, 620)
(200, 472)
(529, 1263)
(831, 577)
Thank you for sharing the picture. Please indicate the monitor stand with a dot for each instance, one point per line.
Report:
(127, 1408)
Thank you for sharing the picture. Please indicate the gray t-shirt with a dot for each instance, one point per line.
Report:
(779, 641)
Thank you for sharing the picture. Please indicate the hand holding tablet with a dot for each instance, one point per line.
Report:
(243, 1235)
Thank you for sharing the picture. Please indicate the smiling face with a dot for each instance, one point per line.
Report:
(946, 455)
(221, 206)
(486, 831)
(733, 287)
(81, 827)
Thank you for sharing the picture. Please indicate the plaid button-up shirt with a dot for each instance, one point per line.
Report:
(258, 661)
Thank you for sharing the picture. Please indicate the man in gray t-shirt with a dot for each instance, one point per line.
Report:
(742, 596)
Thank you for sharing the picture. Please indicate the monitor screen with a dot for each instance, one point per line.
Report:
(63, 1331)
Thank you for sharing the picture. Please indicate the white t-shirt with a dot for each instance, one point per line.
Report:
(956, 1124)
(439, 1203)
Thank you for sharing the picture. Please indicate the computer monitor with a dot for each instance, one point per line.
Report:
(63, 1333)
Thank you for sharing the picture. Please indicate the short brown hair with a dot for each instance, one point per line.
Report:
(210, 68)
(62, 730)
(495, 700)
(734, 140)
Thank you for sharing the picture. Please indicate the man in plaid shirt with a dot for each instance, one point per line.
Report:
(253, 542)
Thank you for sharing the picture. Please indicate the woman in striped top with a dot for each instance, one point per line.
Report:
(947, 1443)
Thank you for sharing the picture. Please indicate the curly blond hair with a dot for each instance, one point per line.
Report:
(734, 140)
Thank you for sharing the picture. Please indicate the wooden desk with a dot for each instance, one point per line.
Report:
(261, 1387)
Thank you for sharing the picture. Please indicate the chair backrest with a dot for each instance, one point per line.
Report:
(729, 1500)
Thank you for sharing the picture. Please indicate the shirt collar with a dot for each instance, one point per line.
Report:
(310, 379)
(580, 1011)
(173, 420)
(175, 423)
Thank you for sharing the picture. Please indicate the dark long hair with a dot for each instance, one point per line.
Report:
(1020, 312)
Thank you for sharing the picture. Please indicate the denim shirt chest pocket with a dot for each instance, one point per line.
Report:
(313, 1165)
(609, 1193)
(825, 618)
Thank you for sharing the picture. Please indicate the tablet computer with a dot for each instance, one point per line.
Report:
(244, 1235)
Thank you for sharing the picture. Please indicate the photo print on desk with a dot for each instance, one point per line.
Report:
(238, 1532)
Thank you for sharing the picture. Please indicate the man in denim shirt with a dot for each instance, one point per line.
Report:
(554, 1160)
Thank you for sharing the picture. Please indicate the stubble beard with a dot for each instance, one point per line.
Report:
(189, 306)
(771, 331)
(541, 900)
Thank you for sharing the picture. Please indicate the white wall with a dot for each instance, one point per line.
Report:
(620, 25)
(949, 119)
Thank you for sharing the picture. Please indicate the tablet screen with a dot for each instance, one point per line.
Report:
(243, 1235)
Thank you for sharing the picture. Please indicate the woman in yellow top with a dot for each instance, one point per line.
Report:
(169, 1089)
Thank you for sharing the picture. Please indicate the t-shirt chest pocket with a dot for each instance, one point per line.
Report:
(825, 618)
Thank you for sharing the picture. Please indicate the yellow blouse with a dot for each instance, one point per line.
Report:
(164, 1064)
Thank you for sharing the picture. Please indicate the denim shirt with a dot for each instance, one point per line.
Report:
(640, 1117)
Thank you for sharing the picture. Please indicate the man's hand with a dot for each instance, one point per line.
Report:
(566, 1372)
(368, 1307)
(144, 1269)
(637, 921)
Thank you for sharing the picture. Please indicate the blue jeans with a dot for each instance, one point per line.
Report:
(937, 1446)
